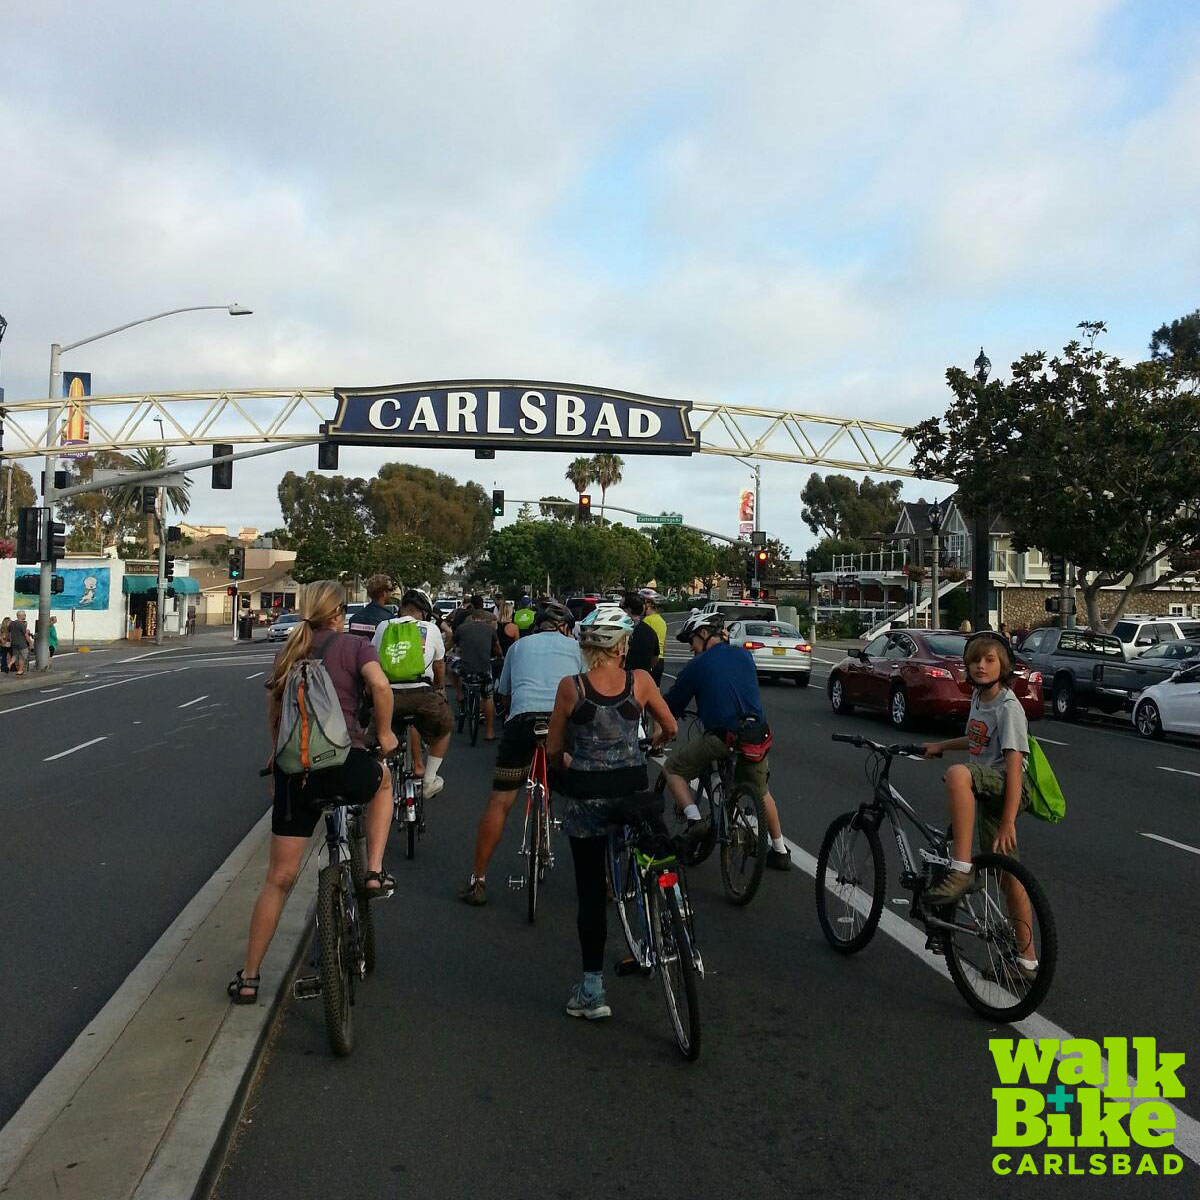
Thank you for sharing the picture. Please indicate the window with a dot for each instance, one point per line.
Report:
(1125, 630)
(1164, 633)
(1190, 629)
(876, 647)
(1177, 610)
(1090, 643)
(949, 645)
(898, 647)
(1033, 556)
(1033, 643)
(761, 629)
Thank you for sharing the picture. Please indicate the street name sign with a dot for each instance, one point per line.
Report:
(661, 519)
(512, 415)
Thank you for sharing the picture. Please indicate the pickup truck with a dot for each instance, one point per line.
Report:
(1126, 681)
(1072, 662)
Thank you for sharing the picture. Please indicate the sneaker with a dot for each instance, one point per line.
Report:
(591, 1005)
(952, 888)
(779, 860)
(474, 893)
(431, 787)
(696, 831)
(1007, 972)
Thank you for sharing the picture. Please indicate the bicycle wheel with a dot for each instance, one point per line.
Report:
(533, 871)
(358, 871)
(744, 854)
(473, 715)
(333, 967)
(991, 932)
(851, 877)
(676, 969)
(627, 896)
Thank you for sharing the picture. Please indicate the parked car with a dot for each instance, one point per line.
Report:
(1136, 632)
(778, 649)
(1128, 680)
(446, 605)
(918, 673)
(278, 632)
(1172, 706)
(580, 606)
(1068, 660)
(741, 610)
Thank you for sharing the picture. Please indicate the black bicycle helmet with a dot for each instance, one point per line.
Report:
(551, 615)
(714, 622)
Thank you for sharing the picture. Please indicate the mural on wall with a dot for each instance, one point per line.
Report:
(84, 588)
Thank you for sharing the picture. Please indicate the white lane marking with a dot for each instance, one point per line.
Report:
(1051, 741)
(833, 662)
(71, 695)
(47, 691)
(256, 674)
(1171, 842)
(189, 703)
(1187, 1128)
(81, 746)
(1180, 771)
(178, 669)
(148, 654)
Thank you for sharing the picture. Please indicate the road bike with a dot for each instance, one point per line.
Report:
(649, 889)
(536, 847)
(737, 822)
(408, 803)
(1003, 918)
(469, 713)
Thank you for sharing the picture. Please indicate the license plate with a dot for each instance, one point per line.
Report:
(779, 650)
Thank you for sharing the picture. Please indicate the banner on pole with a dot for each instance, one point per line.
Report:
(77, 386)
(746, 512)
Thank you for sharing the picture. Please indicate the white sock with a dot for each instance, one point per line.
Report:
(959, 865)
(779, 844)
(432, 762)
(1030, 964)
(692, 812)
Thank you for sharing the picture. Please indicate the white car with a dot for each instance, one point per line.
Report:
(776, 647)
(282, 627)
(742, 610)
(1172, 706)
(1139, 632)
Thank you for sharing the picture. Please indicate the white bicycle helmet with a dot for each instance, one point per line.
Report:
(604, 627)
(712, 621)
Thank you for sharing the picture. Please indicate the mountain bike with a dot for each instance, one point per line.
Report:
(408, 804)
(540, 822)
(649, 888)
(1003, 918)
(469, 713)
(737, 822)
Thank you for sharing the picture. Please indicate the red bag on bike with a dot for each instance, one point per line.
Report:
(752, 740)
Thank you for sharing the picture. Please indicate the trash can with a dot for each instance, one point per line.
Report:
(245, 628)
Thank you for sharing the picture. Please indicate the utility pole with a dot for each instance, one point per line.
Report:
(935, 523)
(162, 565)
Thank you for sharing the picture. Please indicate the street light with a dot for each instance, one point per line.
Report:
(755, 467)
(981, 558)
(935, 523)
(42, 646)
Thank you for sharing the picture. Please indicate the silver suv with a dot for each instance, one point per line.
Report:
(1138, 632)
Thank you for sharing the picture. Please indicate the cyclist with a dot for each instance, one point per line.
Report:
(421, 695)
(478, 646)
(654, 619)
(645, 653)
(353, 667)
(380, 590)
(995, 780)
(599, 713)
(722, 681)
(506, 631)
(525, 616)
(530, 678)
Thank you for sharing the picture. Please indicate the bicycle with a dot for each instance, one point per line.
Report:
(536, 847)
(470, 711)
(737, 822)
(981, 941)
(408, 803)
(649, 888)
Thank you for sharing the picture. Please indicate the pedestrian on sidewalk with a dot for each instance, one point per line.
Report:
(20, 640)
(5, 644)
(53, 638)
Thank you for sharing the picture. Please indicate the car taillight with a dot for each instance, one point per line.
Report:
(938, 673)
(755, 646)
(804, 647)
(1035, 677)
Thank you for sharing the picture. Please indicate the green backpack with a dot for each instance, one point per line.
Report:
(1047, 802)
(402, 652)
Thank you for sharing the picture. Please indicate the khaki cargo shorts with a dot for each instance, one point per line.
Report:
(988, 785)
(696, 756)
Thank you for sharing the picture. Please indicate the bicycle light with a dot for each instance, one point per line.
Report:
(667, 880)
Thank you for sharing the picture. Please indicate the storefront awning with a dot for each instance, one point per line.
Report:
(185, 585)
(134, 585)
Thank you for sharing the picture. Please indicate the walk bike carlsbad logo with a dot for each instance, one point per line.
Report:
(1075, 1107)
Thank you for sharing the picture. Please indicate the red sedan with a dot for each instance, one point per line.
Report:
(918, 673)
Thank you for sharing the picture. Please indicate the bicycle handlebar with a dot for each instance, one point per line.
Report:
(856, 739)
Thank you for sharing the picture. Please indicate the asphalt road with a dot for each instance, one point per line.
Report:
(123, 791)
(819, 1075)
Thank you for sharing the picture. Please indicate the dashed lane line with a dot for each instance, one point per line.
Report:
(189, 703)
(73, 749)
(1187, 1128)
(1170, 842)
(1181, 771)
(256, 674)
(71, 695)
(1051, 741)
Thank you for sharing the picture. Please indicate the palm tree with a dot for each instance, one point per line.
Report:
(153, 458)
(580, 473)
(606, 471)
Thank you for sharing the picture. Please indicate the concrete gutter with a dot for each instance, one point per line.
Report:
(141, 1104)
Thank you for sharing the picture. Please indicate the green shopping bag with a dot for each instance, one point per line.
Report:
(1047, 801)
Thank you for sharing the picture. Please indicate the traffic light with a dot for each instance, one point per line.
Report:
(57, 584)
(485, 453)
(30, 530)
(762, 556)
(149, 501)
(1058, 568)
(58, 541)
(169, 569)
(174, 533)
(237, 563)
(27, 585)
(584, 511)
(222, 473)
(231, 590)
(749, 570)
(498, 503)
(327, 456)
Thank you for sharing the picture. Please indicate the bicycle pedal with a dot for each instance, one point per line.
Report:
(630, 966)
(516, 882)
(556, 823)
(306, 988)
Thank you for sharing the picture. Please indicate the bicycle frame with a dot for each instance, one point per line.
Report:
(537, 801)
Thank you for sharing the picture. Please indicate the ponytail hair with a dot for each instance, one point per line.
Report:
(320, 604)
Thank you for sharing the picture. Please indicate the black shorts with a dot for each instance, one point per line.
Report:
(298, 797)
(514, 755)
(486, 681)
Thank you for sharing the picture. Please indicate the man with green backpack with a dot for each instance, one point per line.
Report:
(412, 654)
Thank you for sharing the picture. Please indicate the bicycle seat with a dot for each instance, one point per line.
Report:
(404, 720)
(541, 727)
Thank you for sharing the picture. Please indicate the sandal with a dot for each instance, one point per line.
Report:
(387, 885)
(240, 981)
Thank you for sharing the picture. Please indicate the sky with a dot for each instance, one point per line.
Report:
(795, 205)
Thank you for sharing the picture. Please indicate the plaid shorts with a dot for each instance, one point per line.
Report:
(988, 784)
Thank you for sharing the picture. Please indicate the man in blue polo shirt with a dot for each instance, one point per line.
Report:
(533, 669)
(724, 684)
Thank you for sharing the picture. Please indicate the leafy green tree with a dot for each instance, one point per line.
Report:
(1088, 458)
(102, 518)
(178, 497)
(23, 495)
(511, 558)
(682, 556)
(328, 523)
(636, 558)
(835, 506)
(408, 558)
(580, 474)
(563, 510)
(607, 470)
(1179, 342)
(431, 505)
(820, 557)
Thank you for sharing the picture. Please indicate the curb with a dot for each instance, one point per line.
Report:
(135, 1108)
(34, 681)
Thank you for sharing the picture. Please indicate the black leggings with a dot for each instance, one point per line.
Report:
(592, 885)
